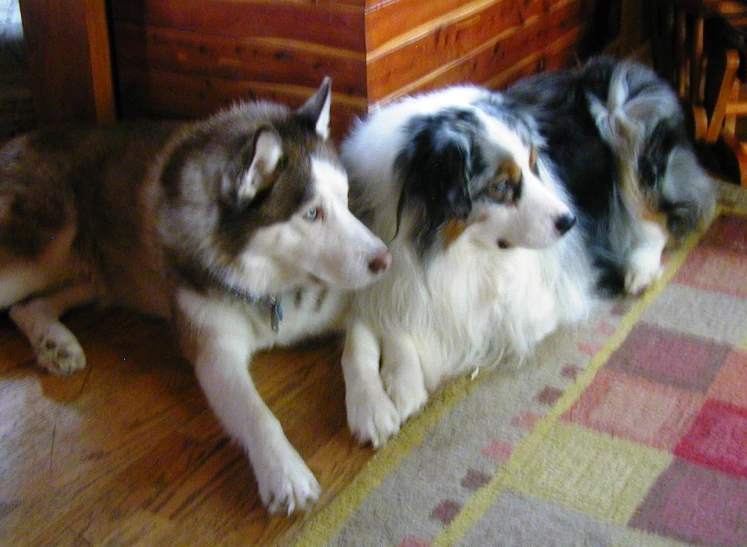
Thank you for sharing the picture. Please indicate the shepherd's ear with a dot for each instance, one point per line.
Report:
(267, 149)
(317, 109)
(436, 169)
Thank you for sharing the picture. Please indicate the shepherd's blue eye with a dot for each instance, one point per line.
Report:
(312, 214)
(499, 188)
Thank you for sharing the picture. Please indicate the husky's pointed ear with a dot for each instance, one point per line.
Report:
(260, 162)
(317, 109)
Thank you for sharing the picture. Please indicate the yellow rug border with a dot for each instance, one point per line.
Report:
(485, 497)
(328, 520)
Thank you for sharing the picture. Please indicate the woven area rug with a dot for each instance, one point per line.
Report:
(630, 430)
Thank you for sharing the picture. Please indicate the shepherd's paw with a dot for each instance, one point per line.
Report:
(372, 416)
(408, 394)
(644, 269)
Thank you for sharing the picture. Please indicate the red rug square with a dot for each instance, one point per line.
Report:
(715, 270)
(636, 409)
(679, 360)
(728, 233)
(719, 263)
(718, 438)
(695, 505)
(731, 383)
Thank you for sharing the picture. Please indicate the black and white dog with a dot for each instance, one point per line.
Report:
(478, 194)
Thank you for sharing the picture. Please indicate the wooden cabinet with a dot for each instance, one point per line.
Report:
(190, 57)
(186, 58)
(68, 53)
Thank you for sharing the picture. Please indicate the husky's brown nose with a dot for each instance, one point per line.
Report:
(565, 222)
(380, 262)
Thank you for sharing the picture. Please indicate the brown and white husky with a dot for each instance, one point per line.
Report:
(236, 228)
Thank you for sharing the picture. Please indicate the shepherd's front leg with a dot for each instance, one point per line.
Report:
(402, 374)
(221, 350)
(372, 417)
(643, 266)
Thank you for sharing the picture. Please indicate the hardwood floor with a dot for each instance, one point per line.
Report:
(127, 451)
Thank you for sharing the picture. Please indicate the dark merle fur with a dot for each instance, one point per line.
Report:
(436, 167)
(586, 163)
(443, 168)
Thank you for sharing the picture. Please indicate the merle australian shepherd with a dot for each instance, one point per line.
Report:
(508, 215)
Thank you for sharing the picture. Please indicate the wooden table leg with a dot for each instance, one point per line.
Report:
(69, 60)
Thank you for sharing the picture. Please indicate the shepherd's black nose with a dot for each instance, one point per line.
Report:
(565, 222)
(380, 262)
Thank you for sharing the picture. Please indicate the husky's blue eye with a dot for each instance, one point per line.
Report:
(312, 214)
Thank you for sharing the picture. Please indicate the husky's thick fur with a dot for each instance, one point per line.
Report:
(236, 228)
(478, 200)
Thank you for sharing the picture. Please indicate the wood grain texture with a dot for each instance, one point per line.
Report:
(253, 58)
(127, 451)
(339, 23)
(189, 58)
(448, 56)
(170, 94)
(67, 44)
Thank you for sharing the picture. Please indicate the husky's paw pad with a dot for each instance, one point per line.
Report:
(60, 354)
(372, 417)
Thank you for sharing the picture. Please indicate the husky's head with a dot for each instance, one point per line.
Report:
(256, 198)
(468, 168)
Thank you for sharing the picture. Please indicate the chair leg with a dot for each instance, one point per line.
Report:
(738, 151)
(722, 71)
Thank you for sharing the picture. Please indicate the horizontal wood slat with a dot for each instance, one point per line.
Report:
(480, 67)
(168, 94)
(497, 36)
(389, 19)
(252, 58)
(337, 24)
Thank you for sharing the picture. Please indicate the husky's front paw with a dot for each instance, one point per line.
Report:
(372, 416)
(643, 270)
(287, 485)
(59, 352)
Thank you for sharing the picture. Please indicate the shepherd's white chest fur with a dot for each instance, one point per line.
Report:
(472, 306)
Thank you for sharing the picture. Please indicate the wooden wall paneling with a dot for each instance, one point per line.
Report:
(253, 58)
(336, 24)
(388, 19)
(558, 55)
(176, 59)
(67, 48)
(188, 58)
(156, 93)
(442, 41)
(498, 54)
